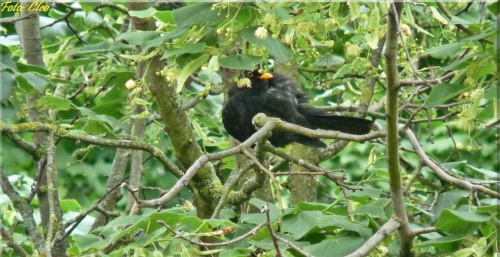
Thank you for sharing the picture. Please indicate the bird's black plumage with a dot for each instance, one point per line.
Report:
(277, 95)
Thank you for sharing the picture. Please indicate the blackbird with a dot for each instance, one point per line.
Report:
(277, 95)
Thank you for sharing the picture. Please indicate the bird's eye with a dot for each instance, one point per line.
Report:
(249, 74)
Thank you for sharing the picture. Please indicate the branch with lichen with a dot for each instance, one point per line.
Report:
(63, 133)
(261, 119)
(26, 212)
(203, 160)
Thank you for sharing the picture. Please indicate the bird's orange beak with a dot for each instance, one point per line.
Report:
(266, 75)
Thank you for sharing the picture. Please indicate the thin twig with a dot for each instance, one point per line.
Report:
(265, 209)
(384, 231)
(79, 218)
(10, 20)
(226, 243)
(421, 231)
(408, 57)
(442, 173)
(412, 83)
(12, 243)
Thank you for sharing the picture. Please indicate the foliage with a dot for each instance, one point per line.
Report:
(94, 82)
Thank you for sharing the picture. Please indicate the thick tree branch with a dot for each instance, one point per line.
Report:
(261, 119)
(24, 145)
(115, 179)
(127, 144)
(230, 184)
(395, 181)
(202, 160)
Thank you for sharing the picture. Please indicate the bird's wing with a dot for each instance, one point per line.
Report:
(287, 84)
(284, 105)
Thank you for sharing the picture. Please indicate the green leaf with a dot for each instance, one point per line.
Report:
(31, 68)
(246, 14)
(236, 252)
(6, 61)
(276, 48)
(139, 37)
(443, 51)
(492, 93)
(88, 241)
(373, 24)
(478, 36)
(87, 7)
(54, 102)
(334, 9)
(372, 210)
(195, 223)
(494, 7)
(199, 13)
(150, 12)
(189, 69)
(441, 240)
(240, 62)
(466, 252)
(153, 43)
(78, 62)
(300, 224)
(342, 222)
(459, 222)
(257, 218)
(342, 71)
(114, 123)
(95, 127)
(330, 60)
(487, 173)
(195, 48)
(442, 93)
(123, 221)
(165, 17)
(355, 11)
(102, 47)
(70, 205)
(32, 82)
(460, 63)
(334, 247)
(448, 200)
(8, 84)
(438, 16)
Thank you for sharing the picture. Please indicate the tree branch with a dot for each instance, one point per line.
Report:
(441, 173)
(261, 119)
(395, 181)
(202, 160)
(412, 83)
(384, 231)
(226, 243)
(11, 242)
(127, 144)
(26, 212)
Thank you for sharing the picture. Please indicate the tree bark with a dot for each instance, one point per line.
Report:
(178, 126)
(303, 188)
(395, 181)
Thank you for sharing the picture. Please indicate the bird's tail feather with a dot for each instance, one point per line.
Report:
(328, 121)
